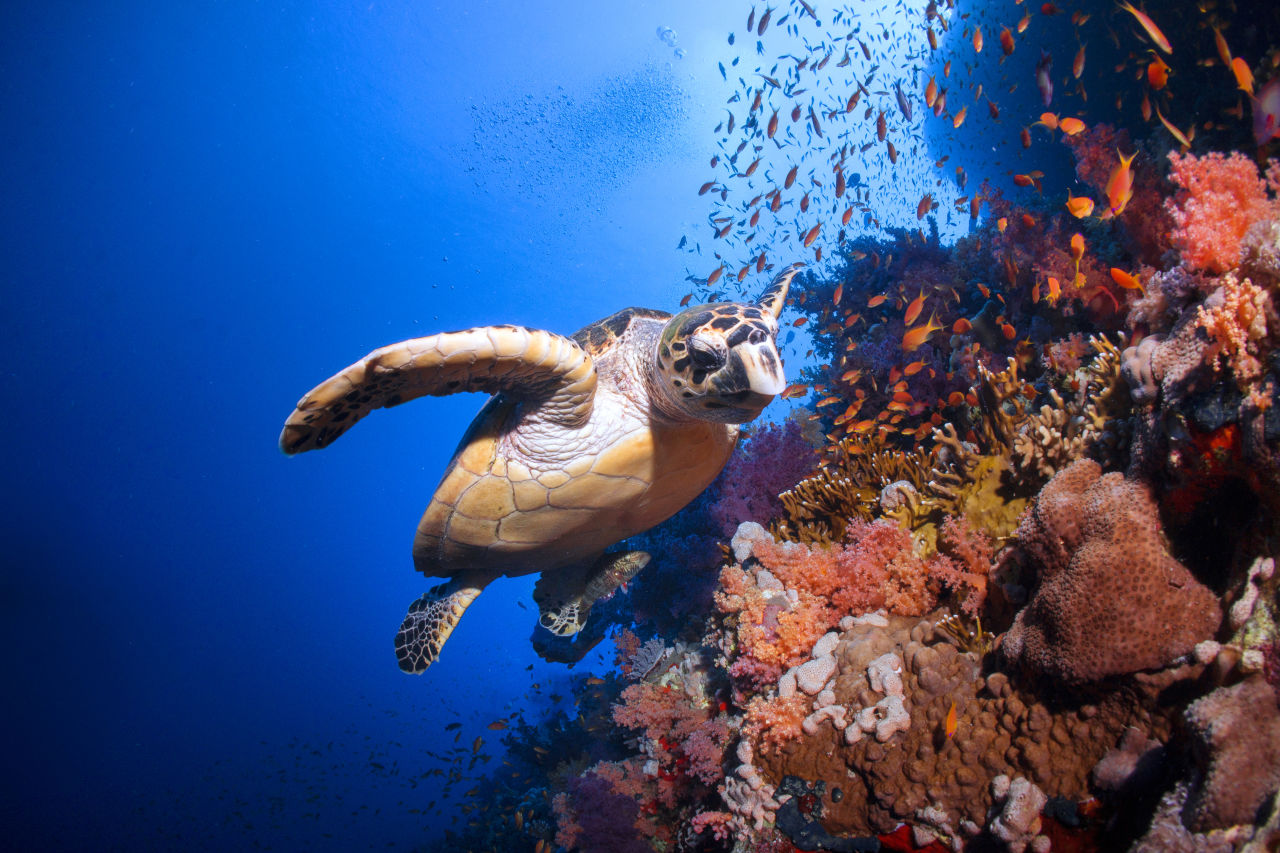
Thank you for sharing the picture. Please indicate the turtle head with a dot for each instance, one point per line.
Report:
(720, 362)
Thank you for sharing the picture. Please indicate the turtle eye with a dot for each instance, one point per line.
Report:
(705, 356)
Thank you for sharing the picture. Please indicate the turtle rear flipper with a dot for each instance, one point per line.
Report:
(432, 618)
(527, 364)
(565, 597)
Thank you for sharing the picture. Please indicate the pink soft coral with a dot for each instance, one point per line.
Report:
(805, 590)
(1220, 197)
(966, 565)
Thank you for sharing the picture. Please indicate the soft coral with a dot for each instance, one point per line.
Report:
(1220, 197)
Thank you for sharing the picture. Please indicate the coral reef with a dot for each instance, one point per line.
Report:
(1007, 582)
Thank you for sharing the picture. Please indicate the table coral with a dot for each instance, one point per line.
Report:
(1111, 600)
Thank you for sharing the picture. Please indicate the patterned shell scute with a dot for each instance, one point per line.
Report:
(603, 335)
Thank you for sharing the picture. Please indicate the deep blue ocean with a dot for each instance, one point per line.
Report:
(209, 207)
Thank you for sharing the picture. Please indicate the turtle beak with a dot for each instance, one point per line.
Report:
(763, 368)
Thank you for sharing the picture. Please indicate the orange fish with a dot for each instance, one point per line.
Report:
(1177, 134)
(1049, 120)
(685, 300)
(962, 326)
(498, 725)
(1024, 22)
(1006, 41)
(791, 178)
(1126, 280)
(793, 391)
(955, 399)
(1157, 73)
(1244, 77)
(949, 724)
(1077, 247)
(812, 235)
(881, 127)
(1224, 52)
(876, 300)
(977, 39)
(1071, 126)
(1002, 223)
(914, 338)
(1055, 290)
(1077, 64)
(931, 92)
(1150, 26)
(1009, 331)
(839, 292)
(959, 117)
(773, 124)
(914, 309)
(925, 205)
(1119, 186)
(913, 368)
(1079, 206)
(715, 275)
(1029, 180)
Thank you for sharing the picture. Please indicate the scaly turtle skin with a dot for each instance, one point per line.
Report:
(586, 441)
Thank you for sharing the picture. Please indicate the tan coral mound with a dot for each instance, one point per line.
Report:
(1236, 744)
(1111, 599)
(919, 773)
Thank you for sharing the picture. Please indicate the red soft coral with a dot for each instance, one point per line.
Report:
(1220, 197)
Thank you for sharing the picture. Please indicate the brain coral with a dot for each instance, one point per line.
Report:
(1111, 600)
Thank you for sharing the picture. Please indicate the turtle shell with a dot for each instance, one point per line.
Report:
(603, 335)
(522, 495)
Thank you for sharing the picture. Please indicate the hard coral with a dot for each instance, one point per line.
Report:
(1111, 600)
(918, 771)
(1236, 744)
(1219, 199)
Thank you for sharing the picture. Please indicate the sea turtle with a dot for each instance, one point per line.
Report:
(587, 440)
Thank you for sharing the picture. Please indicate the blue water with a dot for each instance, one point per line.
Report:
(210, 207)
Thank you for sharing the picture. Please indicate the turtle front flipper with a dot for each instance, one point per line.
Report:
(522, 363)
(432, 618)
(565, 597)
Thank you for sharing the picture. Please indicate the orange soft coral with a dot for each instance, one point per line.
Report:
(1236, 318)
(1220, 197)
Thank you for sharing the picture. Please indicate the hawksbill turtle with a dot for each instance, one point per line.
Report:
(586, 441)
